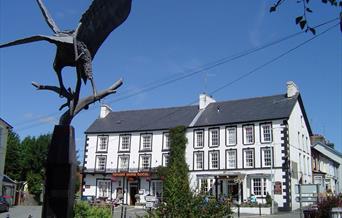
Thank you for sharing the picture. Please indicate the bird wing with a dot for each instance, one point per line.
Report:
(48, 17)
(51, 39)
(101, 18)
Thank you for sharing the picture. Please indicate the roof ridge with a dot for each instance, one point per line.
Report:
(250, 98)
(151, 109)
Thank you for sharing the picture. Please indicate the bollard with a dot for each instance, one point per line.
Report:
(260, 209)
(238, 210)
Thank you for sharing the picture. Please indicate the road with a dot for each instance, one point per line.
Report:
(131, 212)
(23, 212)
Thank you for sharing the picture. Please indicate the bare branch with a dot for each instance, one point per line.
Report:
(55, 89)
(85, 102)
(91, 99)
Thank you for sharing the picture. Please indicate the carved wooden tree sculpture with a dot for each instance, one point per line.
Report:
(77, 48)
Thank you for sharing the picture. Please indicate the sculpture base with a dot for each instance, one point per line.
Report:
(59, 192)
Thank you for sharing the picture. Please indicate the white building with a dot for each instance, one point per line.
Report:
(234, 148)
(4, 127)
(326, 166)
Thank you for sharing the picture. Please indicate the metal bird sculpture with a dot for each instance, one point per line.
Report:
(78, 47)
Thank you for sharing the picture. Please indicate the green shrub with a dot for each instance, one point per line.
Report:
(84, 210)
(268, 199)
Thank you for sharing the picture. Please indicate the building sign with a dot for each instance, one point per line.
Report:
(277, 188)
(131, 174)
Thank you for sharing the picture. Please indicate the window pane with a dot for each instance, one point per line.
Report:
(166, 141)
(249, 135)
(145, 162)
(214, 158)
(103, 143)
(101, 163)
(125, 141)
(231, 156)
(214, 137)
(199, 139)
(267, 157)
(231, 132)
(266, 133)
(124, 161)
(257, 186)
(249, 158)
(199, 160)
(146, 142)
(104, 188)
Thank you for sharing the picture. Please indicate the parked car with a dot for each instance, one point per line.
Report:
(4, 205)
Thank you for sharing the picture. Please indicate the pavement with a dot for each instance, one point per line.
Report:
(23, 212)
(131, 212)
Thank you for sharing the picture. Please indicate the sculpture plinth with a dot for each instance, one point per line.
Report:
(60, 174)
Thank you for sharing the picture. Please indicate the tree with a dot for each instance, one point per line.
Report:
(302, 20)
(177, 194)
(34, 158)
(14, 161)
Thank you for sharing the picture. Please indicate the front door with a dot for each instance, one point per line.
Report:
(233, 190)
(132, 192)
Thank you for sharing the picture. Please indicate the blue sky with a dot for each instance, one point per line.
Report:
(164, 39)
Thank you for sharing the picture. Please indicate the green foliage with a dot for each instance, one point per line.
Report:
(83, 209)
(13, 162)
(302, 21)
(325, 205)
(268, 199)
(25, 161)
(177, 193)
(35, 184)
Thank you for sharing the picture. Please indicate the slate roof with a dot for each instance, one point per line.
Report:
(247, 110)
(144, 120)
(225, 112)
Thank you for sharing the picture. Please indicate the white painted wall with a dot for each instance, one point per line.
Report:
(299, 149)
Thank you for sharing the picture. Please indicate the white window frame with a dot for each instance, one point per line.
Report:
(102, 143)
(144, 142)
(103, 188)
(141, 162)
(166, 159)
(229, 154)
(245, 158)
(198, 141)
(166, 141)
(231, 135)
(262, 186)
(196, 162)
(214, 137)
(101, 167)
(270, 157)
(214, 164)
(120, 167)
(248, 139)
(156, 187)
(266, 133)
(123, 138)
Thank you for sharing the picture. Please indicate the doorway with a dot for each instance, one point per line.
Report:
(133, 190)
(233, 190)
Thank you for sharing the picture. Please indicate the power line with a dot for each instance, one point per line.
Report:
(248, 73)
(193, 72)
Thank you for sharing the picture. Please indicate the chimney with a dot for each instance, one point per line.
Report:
(292, 89)
(205, 100)
(105, 110)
